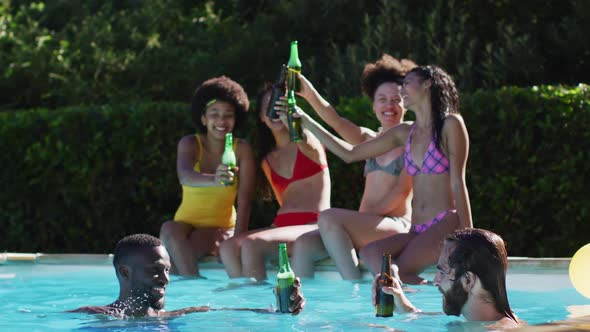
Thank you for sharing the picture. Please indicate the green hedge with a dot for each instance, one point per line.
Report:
(528, 167)
(77, 179)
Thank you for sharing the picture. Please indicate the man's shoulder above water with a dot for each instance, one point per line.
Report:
(507, 323)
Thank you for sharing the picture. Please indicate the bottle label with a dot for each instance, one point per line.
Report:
(285, 298)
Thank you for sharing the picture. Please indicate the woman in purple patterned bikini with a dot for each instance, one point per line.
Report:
(435, 156)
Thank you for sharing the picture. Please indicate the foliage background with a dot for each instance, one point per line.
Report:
(80, 178)
(93, 100)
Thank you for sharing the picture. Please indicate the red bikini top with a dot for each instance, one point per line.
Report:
(304, 168)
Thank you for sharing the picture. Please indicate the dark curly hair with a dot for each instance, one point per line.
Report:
(387, 69)
(222, 89)
(129, 245)
(484, 254)
(444, 97)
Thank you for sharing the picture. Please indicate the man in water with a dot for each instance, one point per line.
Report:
(471, 276)
(142, 265)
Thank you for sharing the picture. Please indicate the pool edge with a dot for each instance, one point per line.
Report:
(212, 262)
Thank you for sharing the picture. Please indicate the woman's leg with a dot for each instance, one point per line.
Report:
(343, 231)
(206, 241)
(307, 249)
(260, 245)
(424, 249)
(230, 254)
(175, 236)
(372, 253)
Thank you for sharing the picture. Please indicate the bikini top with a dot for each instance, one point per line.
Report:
(395, 167)
(435, 162)
(304, 168)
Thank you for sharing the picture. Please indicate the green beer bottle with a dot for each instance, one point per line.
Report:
(229, 157)
(278, 90)
(294, 66)
(385, 304)
(294, 123)
(285, 279)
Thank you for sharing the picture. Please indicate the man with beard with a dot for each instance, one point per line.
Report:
(142, 265)
(471, 276)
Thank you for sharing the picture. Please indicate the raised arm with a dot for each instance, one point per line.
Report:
(352, 133)
(457, 139)
(246, 181)
(313, 148)
(187, 156)
(389, 140)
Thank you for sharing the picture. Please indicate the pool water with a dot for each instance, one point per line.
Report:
(34, 297)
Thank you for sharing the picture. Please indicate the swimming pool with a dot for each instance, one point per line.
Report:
(35, 296)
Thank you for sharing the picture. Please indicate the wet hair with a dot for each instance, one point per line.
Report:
(220, 89)
(484, 254)
(264, 142)
(131, 244)
(444, 97)
(385, 70)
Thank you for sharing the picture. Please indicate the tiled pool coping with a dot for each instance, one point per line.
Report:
(212, 262)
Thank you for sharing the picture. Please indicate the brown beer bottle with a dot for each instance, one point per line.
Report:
(385, 304)
(278, 90)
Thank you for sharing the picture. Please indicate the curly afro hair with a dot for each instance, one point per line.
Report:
(386, 69)
(222, 89)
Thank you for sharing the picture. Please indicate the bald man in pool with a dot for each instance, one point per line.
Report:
(142, 265)
(471, 276)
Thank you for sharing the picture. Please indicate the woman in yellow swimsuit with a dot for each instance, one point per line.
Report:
(206, 215)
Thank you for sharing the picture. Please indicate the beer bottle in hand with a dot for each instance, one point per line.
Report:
(278, 90)
(385, 303)
(294, 66)
(285, 279)
(229, 157)
(294, 123)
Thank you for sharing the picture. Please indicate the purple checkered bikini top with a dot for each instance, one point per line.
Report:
(435, 162)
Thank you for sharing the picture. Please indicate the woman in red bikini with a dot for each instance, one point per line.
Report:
(299, 178)
(435, 156)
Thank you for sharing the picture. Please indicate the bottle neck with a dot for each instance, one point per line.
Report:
(291, 98)
(294, 61)
(386, 264)
(284, 265)
(228, 142)
(282, 76)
